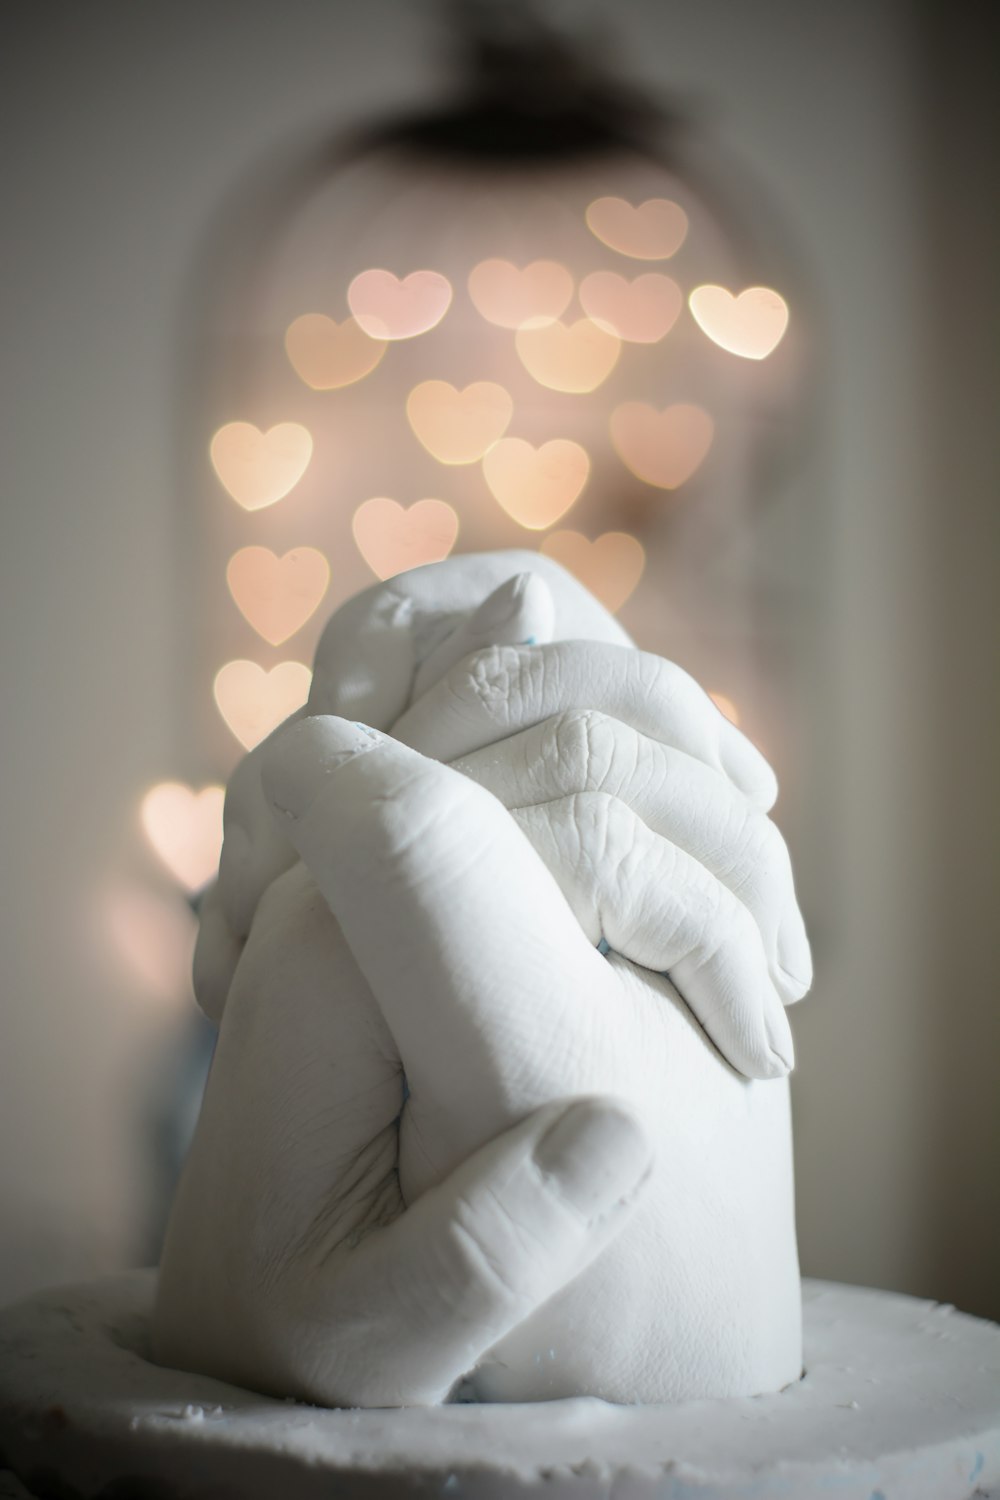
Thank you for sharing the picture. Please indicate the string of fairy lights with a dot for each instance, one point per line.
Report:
(561, 348)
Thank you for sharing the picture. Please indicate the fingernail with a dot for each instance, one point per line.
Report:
(779, 1033)
(597, 1154)
(298, 766)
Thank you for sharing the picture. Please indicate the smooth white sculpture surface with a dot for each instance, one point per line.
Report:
(583, 1183)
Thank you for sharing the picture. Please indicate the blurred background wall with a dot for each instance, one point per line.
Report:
(873, 125)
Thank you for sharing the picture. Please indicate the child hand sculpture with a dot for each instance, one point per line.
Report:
(544, 1251)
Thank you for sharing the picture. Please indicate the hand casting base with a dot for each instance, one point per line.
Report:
(900, 1401)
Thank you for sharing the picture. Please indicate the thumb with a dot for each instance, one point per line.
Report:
(419, 1303)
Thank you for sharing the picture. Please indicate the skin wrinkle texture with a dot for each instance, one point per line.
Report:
(363, 925)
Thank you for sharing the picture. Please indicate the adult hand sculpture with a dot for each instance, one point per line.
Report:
(291, 1264)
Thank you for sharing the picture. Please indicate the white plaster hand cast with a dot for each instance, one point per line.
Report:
(636, 1244)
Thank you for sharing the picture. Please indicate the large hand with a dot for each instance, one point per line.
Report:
(498, 1003)
(699, 880)
(291, 1266)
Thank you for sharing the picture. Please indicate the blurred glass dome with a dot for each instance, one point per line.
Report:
(544, 314)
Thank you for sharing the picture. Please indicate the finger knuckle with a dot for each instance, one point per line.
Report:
(579, 826)
(583, 742)
(594, 816)
(490, 679)
(565, 742)
(658, 677)
(606, 832)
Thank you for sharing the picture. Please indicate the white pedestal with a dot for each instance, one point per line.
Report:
(900, 1401)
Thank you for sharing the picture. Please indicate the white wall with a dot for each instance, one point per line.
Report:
(125, 126)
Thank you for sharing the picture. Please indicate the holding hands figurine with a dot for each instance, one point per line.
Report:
(463, 1134)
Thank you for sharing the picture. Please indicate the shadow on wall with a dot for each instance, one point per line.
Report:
(960, 653)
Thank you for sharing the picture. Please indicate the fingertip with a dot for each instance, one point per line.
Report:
(745, 765)
(597, 1154)
(251, 859)
(781, 1048)
(794, 956)
(751, 772)
(768, 1053)
(302, 761)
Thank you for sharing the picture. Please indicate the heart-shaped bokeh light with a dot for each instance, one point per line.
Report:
(156, 939)
(258, 468)
(536, 485)
(185, 829)
(457, 427)
(610, 566)
(253, 701)
(573, 357)
(751, 325)
(663, 448)
(642, 311)
(275, 594)
(392, 539)
(653, 230)
(388, 307)
(327, 354)
(510, 297)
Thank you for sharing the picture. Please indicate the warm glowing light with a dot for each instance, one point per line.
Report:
(751, 325)
(661, 448)
(457, 427)
(327, 355)
(510, 297)
(726, 706)
(392, 539)
(536, 485)
(653, 230)
(253, 701)
(641, 311)
(574, 357)
(185, 829)
(388, 307)
(258, 468)
(277, 594)
(156, 939)
(610, 566)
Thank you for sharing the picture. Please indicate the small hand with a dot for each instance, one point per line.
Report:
(291, 1264)
(379, 652)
